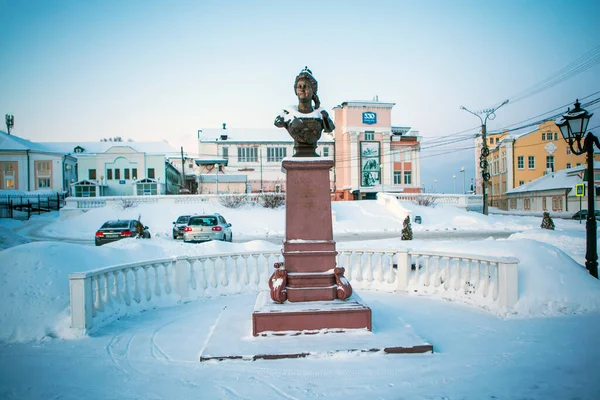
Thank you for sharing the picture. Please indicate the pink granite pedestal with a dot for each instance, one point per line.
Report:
(309, 256)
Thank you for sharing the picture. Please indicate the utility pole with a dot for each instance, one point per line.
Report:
(261, 180)
(490, 114)
(182, 169)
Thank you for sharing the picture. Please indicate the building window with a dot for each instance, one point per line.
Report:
(117, 173)
(544, 136)
(550, 163)
(531, 162)
(191, 166)
(109, 174)
(134, 173)
(526, 204)
(43, 183)
(247, 154)
(596, 176)
(555, 135)
(407, 177)
(557, 203)
(568, 151)
(568, 165)
(369, 135)
(544, 207)
(513, 204)
(397, 177)
(92, 174)
(151, 173)
(578, 164)
(521, 162)
(397, 156)
(370, 163)
(225, 152)
(521, 183)
(126, 173)
(276, 154)
(326, 151)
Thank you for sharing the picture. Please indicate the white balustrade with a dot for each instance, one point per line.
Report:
(103, 294)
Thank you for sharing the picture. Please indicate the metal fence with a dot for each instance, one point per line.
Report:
(23, 206)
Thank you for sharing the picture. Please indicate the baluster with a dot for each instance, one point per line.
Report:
(390, 277)
(167, 277)
(413, 276)
(97, 295)
(256, 273)
(234, 276)
(107, 300)
(268, 264)
(496, 281)
(156, 285)
(457, 280)
(213, 281)
(126, 295)
(380, 267)
(224, 277)
(477, 278)
(245, 275)
(203, 274)
(348, 266)
(369, 277)
(427, 276)
(191, 262)
(467, 281)
(147, 291)
(116, 291)
(447, 273)
(137, 296)
(486, 279)
(359, 275)
(437, 280)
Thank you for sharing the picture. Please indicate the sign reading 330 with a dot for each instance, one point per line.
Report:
(369, 117)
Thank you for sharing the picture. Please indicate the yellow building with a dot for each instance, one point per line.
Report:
(519, 158)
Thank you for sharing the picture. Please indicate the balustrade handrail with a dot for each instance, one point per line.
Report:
(489, 280)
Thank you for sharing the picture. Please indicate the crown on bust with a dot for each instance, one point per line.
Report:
(306, 71)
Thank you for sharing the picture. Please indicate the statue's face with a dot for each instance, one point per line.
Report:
(303, 89)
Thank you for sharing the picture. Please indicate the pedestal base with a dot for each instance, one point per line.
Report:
(309, 317)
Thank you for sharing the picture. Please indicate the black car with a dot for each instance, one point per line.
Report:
(111, 231)
(179, 226)
(582, 214)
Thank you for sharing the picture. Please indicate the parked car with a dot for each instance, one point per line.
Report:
(114, 230)
(201, 228)
(179, 226)
(582, 214)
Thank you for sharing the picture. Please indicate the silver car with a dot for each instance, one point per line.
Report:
(201, 228)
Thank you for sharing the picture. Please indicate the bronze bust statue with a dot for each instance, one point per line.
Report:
(304, 122)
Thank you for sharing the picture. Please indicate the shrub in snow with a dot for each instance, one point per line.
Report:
(547, 222)
(232, 200)
(406, 229)
(425, 200)
(272, 200)
(126, 203)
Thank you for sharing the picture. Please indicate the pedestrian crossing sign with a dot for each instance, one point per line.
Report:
(580, 190)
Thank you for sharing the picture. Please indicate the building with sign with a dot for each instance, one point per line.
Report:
(371, 155)
(519, 157)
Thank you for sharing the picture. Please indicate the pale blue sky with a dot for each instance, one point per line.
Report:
(153, 70)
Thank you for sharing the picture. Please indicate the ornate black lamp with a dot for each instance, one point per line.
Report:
(573, 125)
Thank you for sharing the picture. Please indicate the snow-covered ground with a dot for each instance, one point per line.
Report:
(545, 349)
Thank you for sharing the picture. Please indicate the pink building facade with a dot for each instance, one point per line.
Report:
(371, 155)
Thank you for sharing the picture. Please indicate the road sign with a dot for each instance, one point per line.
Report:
(580, 190)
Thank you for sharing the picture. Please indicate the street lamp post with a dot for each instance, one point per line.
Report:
(217, 169)
(434, 183)
(490, 114)
(573, 126)
(462, 171)
(454, 179)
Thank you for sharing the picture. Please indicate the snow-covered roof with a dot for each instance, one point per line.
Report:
(12, 142)
(103, 147)
(563, 179)
(370, 103)
(279, 135)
